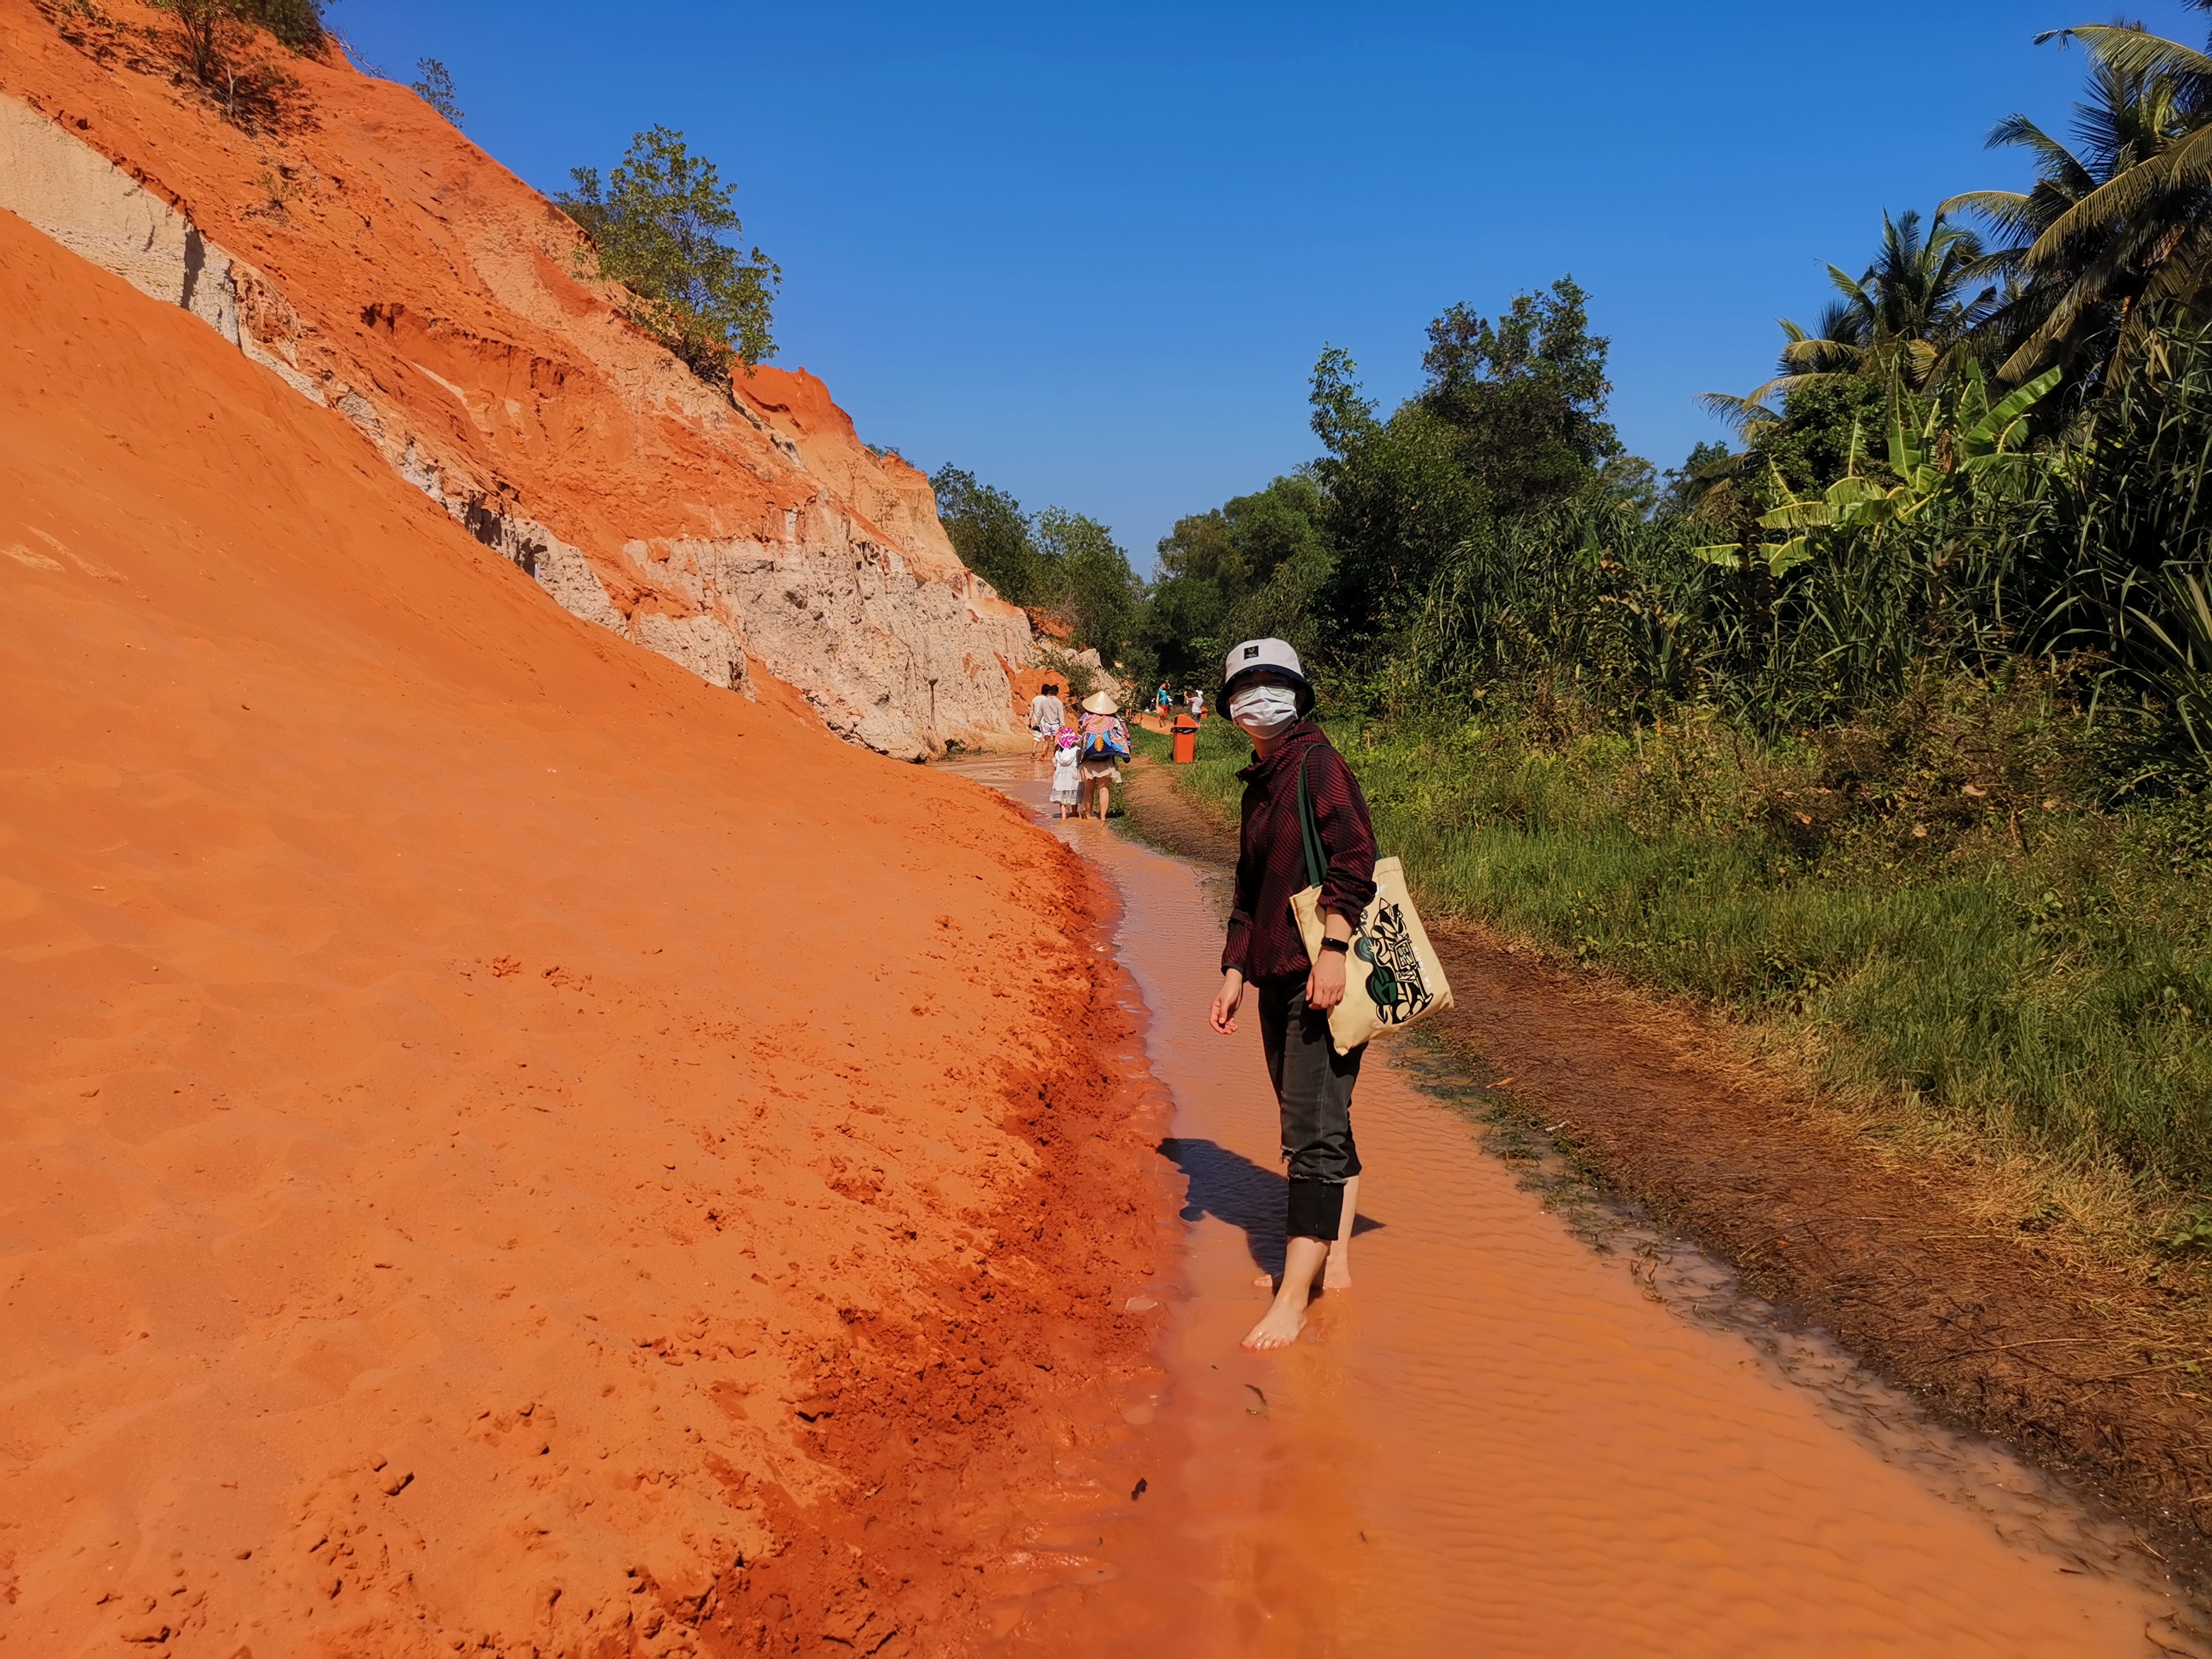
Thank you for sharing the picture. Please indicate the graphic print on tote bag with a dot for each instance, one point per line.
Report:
(1394, 984)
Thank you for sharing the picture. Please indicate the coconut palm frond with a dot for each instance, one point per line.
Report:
(2134, 52)
(2007, 210)
(2085, 295)
(1814, 355)
(2114, 203)
(2189, 163)
(2055, 163)
(1746, 416)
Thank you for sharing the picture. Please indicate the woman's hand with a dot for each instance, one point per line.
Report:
(1325, 982)
(1227, 1001)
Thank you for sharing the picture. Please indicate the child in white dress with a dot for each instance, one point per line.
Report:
(1066, 786)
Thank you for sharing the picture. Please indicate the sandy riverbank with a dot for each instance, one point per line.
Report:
(511, 1147)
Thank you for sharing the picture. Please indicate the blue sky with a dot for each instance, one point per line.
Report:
(1092, 253)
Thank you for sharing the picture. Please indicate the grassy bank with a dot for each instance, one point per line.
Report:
(1935, 903)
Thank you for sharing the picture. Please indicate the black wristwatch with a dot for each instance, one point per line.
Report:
(1342, 946)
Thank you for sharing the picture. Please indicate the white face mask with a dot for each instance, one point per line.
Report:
(1263, 710)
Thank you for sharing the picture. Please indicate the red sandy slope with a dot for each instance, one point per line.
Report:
(412, 281)
(417, 265)
(467, 1087)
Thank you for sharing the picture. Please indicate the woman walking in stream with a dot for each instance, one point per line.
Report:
(1264, 691)
(1105, 740)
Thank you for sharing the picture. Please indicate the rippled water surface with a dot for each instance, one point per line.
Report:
(1502, 1441)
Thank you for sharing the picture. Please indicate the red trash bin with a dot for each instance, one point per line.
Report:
(1186, 739)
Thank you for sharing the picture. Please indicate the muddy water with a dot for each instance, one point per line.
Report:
(1502, 1441)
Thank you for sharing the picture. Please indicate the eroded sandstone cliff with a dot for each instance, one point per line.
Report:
(358, 247)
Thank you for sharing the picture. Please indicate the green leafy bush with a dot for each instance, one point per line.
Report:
(657, 224)
(216, 35)
(297, 23)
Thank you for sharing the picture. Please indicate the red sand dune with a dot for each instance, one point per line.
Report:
(410, 279)
(508, 1146)
(414, 264)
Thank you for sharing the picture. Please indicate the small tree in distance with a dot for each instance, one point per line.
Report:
(1055, 560)
(1089, 581)
(658, 225)
(434, 87)
(989, 531)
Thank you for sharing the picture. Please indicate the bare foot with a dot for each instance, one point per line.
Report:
(1278, 1330)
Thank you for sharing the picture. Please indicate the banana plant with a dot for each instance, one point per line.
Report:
(1977, 443)
(1936, 460)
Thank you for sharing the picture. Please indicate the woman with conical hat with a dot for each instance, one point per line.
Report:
(1098, 774)
(1264, 691)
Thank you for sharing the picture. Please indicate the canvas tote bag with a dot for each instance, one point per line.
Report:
(1394, 977)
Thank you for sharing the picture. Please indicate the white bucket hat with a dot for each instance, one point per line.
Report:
(1278, 654)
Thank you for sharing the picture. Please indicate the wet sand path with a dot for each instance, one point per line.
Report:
(1500, 1444)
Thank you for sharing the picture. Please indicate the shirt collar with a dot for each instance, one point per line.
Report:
(1302, 735)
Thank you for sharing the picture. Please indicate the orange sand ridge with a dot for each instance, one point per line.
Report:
(509, 1146)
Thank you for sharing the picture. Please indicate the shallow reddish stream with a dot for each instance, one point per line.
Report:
(1503, 1441)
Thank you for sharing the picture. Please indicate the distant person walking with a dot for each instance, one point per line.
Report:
(1047, 716)
(1105, 739)
(1162, 700)
(1198, 705)
(1264, 689)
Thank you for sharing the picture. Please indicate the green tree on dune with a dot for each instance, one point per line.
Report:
(434, 85)
(216, 31)
(660, 225)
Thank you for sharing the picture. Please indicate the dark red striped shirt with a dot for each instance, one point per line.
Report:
(1271, 860)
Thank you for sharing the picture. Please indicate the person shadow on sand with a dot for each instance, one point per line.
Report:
(1230, 1186)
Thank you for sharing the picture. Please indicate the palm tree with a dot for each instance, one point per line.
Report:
(1908, 321)
(2119, 227)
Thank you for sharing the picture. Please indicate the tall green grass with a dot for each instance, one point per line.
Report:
(2036, 971)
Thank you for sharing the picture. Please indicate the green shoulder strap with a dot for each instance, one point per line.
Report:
(1309, 831)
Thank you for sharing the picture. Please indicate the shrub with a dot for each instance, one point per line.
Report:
(297, 23)
(1079, 678)
(434, 87)
(210, 29)
(658, 226)
(216, 31)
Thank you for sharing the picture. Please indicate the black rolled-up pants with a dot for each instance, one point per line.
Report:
(1313, 1090)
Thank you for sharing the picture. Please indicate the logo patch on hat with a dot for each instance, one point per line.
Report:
(1250, 652)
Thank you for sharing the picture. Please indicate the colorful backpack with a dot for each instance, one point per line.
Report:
(1104, 737)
